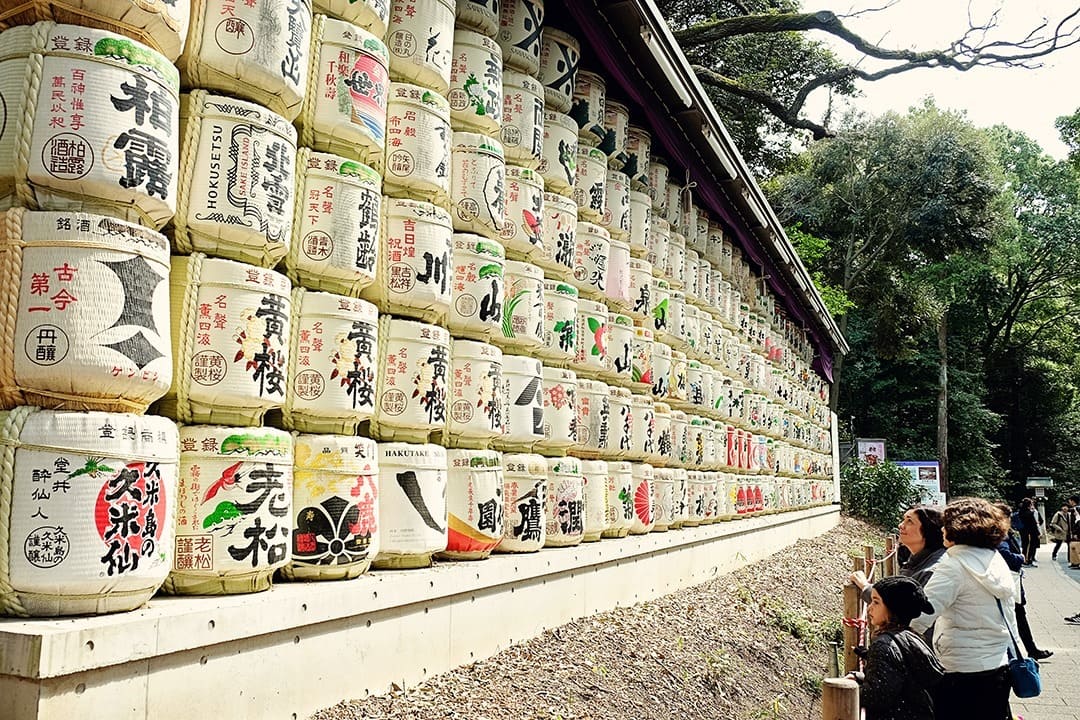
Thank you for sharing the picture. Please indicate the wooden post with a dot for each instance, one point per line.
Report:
(834, 660)
(890, 552)
(851, 633)
(868, 562)
(839, 699)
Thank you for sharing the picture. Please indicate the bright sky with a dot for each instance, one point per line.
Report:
(1025, 100)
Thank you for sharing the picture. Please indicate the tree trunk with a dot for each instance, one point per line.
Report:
(837, 368)
(943, 400)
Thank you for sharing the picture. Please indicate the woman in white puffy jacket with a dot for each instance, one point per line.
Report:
(971, 638)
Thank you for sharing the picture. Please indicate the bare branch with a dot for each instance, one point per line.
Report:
(788, 116)
(866, 11)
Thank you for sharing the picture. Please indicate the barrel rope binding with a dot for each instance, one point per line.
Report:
(292, 257)
(294, 356)
(11, 272)
(188, 310)
(188, 152)
(11, 427)
(306, 119)
(378, 428)
(24, 128)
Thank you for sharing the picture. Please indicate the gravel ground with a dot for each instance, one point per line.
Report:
(749, 645)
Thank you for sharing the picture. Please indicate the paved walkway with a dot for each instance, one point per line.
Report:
(1053, 591)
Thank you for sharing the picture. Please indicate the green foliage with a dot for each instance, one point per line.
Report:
(877, 493)
(811, 250)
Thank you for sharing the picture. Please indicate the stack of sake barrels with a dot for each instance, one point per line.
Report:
(88, 178)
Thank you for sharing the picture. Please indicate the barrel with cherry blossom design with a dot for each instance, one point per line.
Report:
(560, 409)
(411, 395)
(591, 354)
(477, 414)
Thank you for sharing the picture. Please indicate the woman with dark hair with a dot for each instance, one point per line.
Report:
(1029, 530)
(920, 532)
(972, 593)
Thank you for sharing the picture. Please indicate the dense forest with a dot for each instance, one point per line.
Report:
(946, 251)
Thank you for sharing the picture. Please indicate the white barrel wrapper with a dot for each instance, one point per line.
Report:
(591, 252)
(593, 418)
(420, 38)
(524, 496)
(372, 15)
(523, 307)
(560, 409)
(619, 507)
(234, 510)
(417, 144)
(590, 184)
(663, 499)
(481, 15)
(641, 375)
(91, 499)
(558, 163)
(638, 149)
(661, 370)
(335, 507)
(565, 511)
(412, 504)
(587, 107)
(477, 309)
(476, 83)
(474, 503)
(560, 322)
(520, 24)
(641, 302)
(644, 444)
(620, 348)
(414, 360)
(560, 54)
(522, 131)
(591, 355)
(662, 415)
(621, 422)
(93, 312)
(477, 184)
(594, 473)
(559, 232)
(658, 180)
(617, 215)
(523, 401)
(522, 233)
(617, 291)
(476, 413)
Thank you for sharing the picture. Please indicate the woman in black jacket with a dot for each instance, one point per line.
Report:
(1029, 530)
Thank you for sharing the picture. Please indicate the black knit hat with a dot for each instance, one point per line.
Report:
(903, 597)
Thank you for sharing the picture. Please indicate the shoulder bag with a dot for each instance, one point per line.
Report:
(1023, 672)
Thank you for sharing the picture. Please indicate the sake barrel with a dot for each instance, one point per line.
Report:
(372, 15)
(691, 331)
(695, 441)
(477, 184)
(657, 249)
(679, 437)
(524, 498)
(477, 413)
(593, 418)
(701, 239)
(523, 401)
(617, 290)
(662, 432)
(477, 309)
(565, 508)
(688, 226)
(658, 180)
(420, 38)
(336, 223)
(641, 376)
(661, 370)
(234, 509)
(714, 250)
(643, 498)
(663, 499)
(481, 15)
(90, 124)
(704, 290)
(676, 261)
(474, 504)
(641, 220)
(619, 505)
(237, 180)
(89, 502)
(520, 25)
(414, 360)
(257, 49)
(230, 340)
(682, 498)
(644, 440)
(590, 184)
(677, 383)
(476, 84)
(592, 248)
(414, 274)
(560, 322)
(674, 214)
(558, 161)
(523, 308)
(621, 422)
(705, 343)
(617, 213)
(620, 347)
(335, 502)
(417, 144)
(590, 356)
(560, 54)
(698, 493)
(587, 108)
(522, 233)
(690, 276)
(333, 343)
(522, 131)
(560, 409)
(91, 329)
(638, 148)
(617, 124)
(641, 306)
(594, 474)
(559, 235)
(412, 505)
(695, 383)
(660, 295)
(727, 252)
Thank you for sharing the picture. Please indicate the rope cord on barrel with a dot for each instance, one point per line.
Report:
(11, 274)
(292, 257)
(188, 309)
(188, 155)
(10, 429)
(307, 110)
(380, 383)
(193, 48)
(24, 133)
(294, 354)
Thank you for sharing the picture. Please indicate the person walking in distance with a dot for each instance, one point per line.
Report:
(1010, 552)
(1058, 530)
(1029, 530)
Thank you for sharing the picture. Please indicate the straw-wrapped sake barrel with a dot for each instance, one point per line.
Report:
(88, 504)
(256, 49)
(522, 233)
(560, 409)
(638, 147)
(643, 499)
(663, 499)
(234, 510)
(621, 423)
(160, 24)
(523, 402)
(237, 180)
(644, 442)
(372, 15)
(417, 144)
(617, 215)
(591, 355)
(617, 289)
(522, 131)
(344, 111)
(587, 108)
(591, 252)
(476, 414)
(559, 233)
(481, 15)
(412, 505)
(90, 124)
(560, 54)
(230, 339)
(619, 342)
(477, 184)
(661, 370)
(520, 26)
(420, 38)
(523, 307)
(336, 224)
(414, 359)
(524, 498)
(590, 184)
(641, 376)
(558, 162)
(413, 271)
(560, 322)
(333, 343)
(616, 125)
(593, 414)
(594, 474)
(92, 304)
(335, 507)
(477, 310)
(682, 498)
(476, 84)
(565, 510)
(474, 504)
(641, 303)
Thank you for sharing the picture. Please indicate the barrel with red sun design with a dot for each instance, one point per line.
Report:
(91, 516)
(643, 499)
(474, 504)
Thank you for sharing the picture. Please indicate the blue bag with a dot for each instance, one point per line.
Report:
(1023, 672)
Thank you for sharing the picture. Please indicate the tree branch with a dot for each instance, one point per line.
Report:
(789, 116)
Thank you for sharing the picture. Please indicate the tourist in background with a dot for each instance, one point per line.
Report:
(1029, 530)
(1009, 548)
(1058, 530)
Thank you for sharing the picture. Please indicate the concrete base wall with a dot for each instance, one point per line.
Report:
(304, 646)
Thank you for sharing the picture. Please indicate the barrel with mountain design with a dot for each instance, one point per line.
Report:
(234, 513)
(89, 500)
(478, 287)
(412, 504)
(474, 504)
